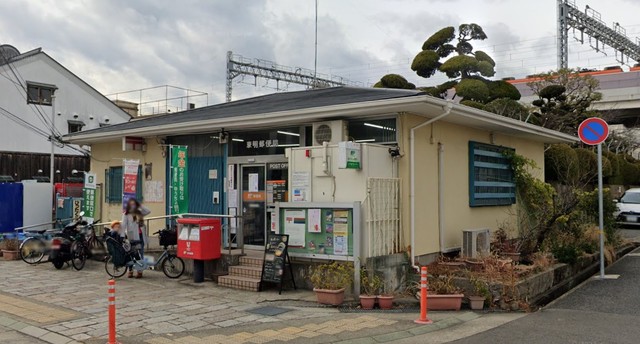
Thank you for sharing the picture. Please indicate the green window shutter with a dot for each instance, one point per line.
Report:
(114, 187)
(491, 179)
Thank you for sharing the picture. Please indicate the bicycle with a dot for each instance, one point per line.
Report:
(120, 259)
(95, 244)
(33, 249)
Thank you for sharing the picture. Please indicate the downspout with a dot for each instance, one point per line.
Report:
(441, 195)
(412, 139)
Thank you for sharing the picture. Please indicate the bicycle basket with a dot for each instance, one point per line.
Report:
(117, 252)
(168, 237)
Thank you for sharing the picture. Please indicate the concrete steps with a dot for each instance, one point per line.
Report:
(245, 276)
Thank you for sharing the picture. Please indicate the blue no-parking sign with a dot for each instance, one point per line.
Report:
(593, 131)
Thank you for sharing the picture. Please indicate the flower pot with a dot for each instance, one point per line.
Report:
(367, 301)
(474, 265)
(476, 302)
(9, 255)
(514, 256)
(385, 301)
(451, 302)
(329, 297)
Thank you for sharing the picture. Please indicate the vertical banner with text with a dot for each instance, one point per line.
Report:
(129, 181)
(89, 197)
(179, 182)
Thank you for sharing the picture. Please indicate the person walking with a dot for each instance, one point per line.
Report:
(133, 226)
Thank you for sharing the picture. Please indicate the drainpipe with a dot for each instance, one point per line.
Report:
(441, 194)
(412, 139)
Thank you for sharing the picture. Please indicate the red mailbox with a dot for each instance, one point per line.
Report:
(199, 238)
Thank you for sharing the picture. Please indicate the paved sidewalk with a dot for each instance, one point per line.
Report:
(44, 305)
(599, 311)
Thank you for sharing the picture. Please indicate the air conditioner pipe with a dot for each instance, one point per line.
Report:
(412, 139)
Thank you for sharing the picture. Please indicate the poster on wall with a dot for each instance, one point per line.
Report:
(179, 182)
(153, 191)
(129, 180)
(301, 187)
(295, 223)
(314, 221)
(276, 191)
(341, 232)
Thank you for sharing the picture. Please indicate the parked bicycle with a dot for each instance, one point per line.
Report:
(34, 247)
(70, 245)
(125, 255)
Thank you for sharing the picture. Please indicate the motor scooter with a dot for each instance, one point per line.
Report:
(68, 245)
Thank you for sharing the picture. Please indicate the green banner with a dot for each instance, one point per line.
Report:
(89, 197)
(179, 184)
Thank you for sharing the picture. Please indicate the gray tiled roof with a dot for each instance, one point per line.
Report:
(276, 102)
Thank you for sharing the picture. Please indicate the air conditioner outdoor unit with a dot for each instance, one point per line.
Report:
(476, 242)
(331, 132)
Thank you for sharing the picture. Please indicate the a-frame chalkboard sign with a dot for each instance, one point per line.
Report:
(276, 261)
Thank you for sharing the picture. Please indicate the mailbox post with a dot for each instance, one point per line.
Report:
(199, 240)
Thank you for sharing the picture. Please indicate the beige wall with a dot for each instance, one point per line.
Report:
(110, 154)
(457, 213)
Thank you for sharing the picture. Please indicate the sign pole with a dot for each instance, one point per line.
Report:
(600, 211)
(170, 182)
(594, 131)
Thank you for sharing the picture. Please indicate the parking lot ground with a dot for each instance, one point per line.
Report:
(44, 305)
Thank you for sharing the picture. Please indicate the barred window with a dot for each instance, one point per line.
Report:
(113, 188)
(491, 179)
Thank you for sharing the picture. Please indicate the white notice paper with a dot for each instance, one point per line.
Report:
(253, 182)
(295, 225)
(301, 187)
(314, 221)
(232, 202)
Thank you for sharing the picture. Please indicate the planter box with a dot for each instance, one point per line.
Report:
(10, 255)
(451, 302)
(330, 297)
(476, 302)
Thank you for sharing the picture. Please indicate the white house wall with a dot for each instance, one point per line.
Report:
(73, 97)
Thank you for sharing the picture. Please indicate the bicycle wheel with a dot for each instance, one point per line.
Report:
(173, 266)
(112, 270)
(78, 255)
(32, 250)
(97, 249)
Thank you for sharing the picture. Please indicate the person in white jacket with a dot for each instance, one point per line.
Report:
(133, 226)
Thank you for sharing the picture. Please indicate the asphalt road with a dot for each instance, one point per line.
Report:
(598, 311)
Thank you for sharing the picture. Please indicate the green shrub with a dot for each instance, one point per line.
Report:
(561, 164)
(567, 253)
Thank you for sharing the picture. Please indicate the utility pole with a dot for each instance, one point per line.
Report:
(52, 170)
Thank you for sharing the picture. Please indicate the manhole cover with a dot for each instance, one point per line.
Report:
(267, 310)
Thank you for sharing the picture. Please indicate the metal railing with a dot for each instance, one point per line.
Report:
(175, 216)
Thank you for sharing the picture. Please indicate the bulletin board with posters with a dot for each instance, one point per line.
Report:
(320, 230)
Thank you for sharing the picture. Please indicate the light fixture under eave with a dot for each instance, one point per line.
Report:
(288, 133)
(365, 140)
(289, 145)
(379, 126)
(237, 140)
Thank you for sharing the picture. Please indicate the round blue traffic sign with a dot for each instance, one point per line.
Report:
(593, 131)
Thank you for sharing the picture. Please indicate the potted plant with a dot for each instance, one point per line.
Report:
(330, 281)
(370, 284)
(10, 249)
(385, 300)
(508, 248)
(480, 293)
(443, 293)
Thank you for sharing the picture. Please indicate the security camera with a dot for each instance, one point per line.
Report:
(394, 152)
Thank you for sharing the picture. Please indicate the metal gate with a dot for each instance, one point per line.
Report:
(383, 216)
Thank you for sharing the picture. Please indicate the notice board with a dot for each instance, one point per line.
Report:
(318, 230)
(275, 255)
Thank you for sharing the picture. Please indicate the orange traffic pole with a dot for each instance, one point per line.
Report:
(423, 298)
(112, 312)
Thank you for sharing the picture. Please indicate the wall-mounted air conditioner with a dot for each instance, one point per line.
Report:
(476, 242)
(331, 132)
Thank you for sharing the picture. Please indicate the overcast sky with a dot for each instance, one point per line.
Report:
(121, 45)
